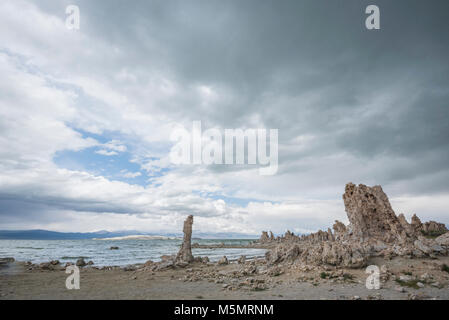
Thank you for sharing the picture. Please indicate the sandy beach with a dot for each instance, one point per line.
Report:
(232, 281)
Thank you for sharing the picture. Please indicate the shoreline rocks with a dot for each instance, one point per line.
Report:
(6, 261)
(223, 261)
(80, 262)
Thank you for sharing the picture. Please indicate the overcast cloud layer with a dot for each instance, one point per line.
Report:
(86, 116)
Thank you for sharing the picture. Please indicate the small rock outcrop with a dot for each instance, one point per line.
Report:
(6, 261)
(80, 262)
(223, 261)
(433, 229)
(416, 223)
(185, 253)
(264, 237)
(443, 240)
(417, 228)
(339, 230)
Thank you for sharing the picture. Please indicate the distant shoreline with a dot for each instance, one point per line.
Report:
(138, 237)
(55, 235)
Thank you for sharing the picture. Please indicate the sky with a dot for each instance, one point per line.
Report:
(86, 115)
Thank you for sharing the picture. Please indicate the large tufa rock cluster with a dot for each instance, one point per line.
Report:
(374, 230)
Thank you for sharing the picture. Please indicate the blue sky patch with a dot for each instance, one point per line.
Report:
(112, 159)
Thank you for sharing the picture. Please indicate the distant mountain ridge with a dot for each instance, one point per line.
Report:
(54, 235)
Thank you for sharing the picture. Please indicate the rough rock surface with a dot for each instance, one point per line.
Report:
(80, 262)
(5, 261)
(370, 214)
(223, 260)
(416, 223)
(264, 237)
(185, 253)
(339, 230)
(433, 228)
(409, 229)
(443, 240)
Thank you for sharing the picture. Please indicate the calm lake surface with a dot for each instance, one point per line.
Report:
(130, 251)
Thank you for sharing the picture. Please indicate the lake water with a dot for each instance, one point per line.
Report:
(130, 251)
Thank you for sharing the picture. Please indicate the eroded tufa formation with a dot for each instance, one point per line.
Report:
(185, 253)
(374, 230)
(370, 214)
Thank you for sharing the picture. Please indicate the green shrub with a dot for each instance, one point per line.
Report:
(409, 283)
(348, 276)
(445, 268)
(432, 234)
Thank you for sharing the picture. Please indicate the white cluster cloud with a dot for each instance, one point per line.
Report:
(111, 148)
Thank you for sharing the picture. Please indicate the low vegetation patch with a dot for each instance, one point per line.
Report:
(348, 276)
(345, 276)
(258, 288)
(432, 234)
(409, 283)
(445, 268)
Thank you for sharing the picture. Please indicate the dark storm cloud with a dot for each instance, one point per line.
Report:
(20, 206)
(264, 50)
(271, 55)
